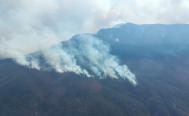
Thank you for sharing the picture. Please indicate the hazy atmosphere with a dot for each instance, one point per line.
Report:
(94, 58)
(23, 22)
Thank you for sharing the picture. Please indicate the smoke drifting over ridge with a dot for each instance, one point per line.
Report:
(83, 55)
(31, 25)
(35, 32)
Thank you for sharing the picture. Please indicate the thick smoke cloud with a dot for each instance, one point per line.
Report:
(28, 26)
(32, 25)
(83, 55)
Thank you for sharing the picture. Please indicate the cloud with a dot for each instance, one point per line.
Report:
(151, 11)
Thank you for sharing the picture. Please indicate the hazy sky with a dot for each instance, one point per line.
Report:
(31, 25)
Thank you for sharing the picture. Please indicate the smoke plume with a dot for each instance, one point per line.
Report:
(35, 33)
(84, 55)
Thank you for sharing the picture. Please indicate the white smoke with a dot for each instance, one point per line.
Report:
(33, 28)
(27, 26)
(83, 55)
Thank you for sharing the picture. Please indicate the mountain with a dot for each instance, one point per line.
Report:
(156, 54)
(147, 34)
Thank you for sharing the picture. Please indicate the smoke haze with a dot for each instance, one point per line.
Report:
(29, 26)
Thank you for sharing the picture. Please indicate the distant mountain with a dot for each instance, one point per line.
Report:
(157, 54)
(153, 34)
